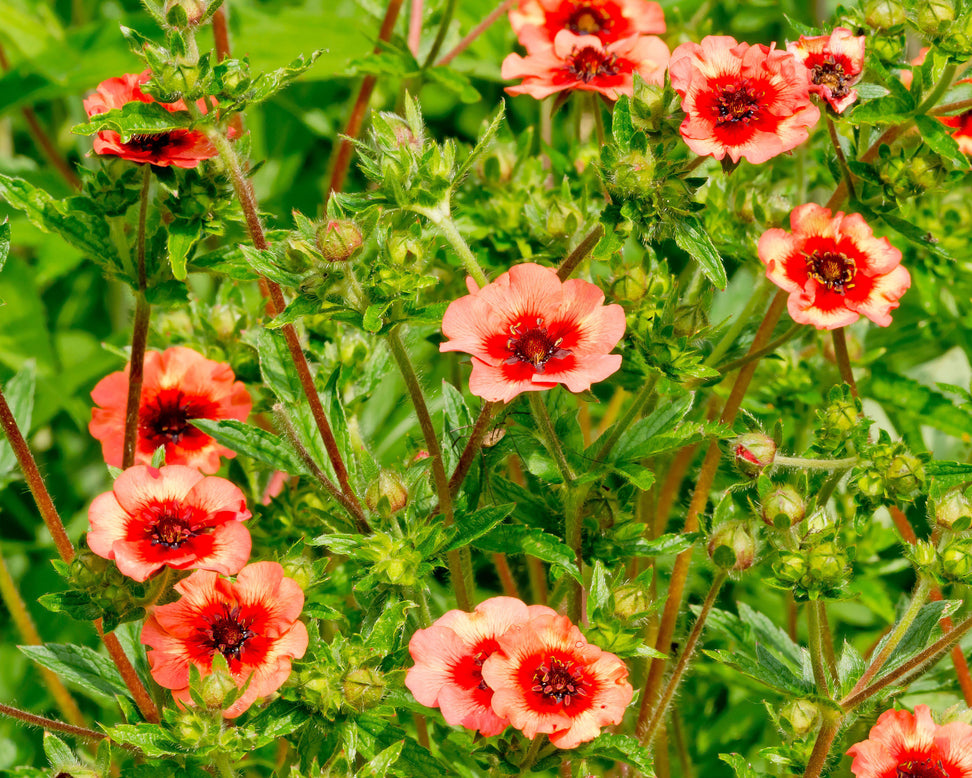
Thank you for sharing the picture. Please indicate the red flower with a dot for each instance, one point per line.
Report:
(179, 384)
(961, 126)
(174, 516)
(903, 743)
(182, 148)
(449, 658)
(741, 100)
(527, 331)
(609, 20)
(253, 622)
(546, 678)
(582, 62)
(835, 62)
(834, 268)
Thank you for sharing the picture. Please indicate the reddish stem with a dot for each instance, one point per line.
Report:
(415, 28)
(475, 442)
(143, 699)
(221, 34)
(505, 575)
(476, 31)
(51, 724)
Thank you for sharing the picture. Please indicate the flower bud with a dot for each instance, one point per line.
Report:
(387, 494)
(223, 321)
(838, 420)
(827, 565)
(933, 15)
(630, 601)
(732, 546)
(791, 567)
(905, 476)
(924, 555)
(871, 485)
(339, 240)
(753, 452)
(953, 511)
(216, 686)
(180, 14)
(957, 559)
(799, 718)
(363, 688)
(784, 507)
(884, 14)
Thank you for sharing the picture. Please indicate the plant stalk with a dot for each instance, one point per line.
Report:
(817, 650)
(821, 748)
(569, 265)
(476, 31)
(843, 360)
(52, 724)
(443, 220)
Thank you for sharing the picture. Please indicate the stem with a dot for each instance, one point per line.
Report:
(817, 649)
(700, 498)
(821, 748)
(415, 27)
(918, 599)
(816, 464)
(456, 568)
(598, 119)
(683, 659)
(573, 537)
(827, 641)
(505, 575)
(756, 301)
(843, 360)
(223, 765)
(139, 333)
(28, 633)
(769, 348)
(475, 442)
(940, 88)
(341, 156)
(440, 34)
(221, 33)
(634, 410)
(142, 698)
(421, 725)
(51, 724)
(549, 437)
(569, 265)
(946, 108)
(476, 31)
(441, 219)
(531, 754)
(841, 159)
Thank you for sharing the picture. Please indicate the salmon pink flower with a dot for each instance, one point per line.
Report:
(583, 63)
(834, 268)
(181, 148)
(835, 62)
(527, 331)
(253, 622)
(179, 385)
(741, 100)
(449, 657)
(609, 20)
(911, 744)
(174, 517)
(546, 678)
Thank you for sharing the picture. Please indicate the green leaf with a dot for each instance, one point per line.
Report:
(940, 140)
(372, 320)
(637, 439)
(4, 242)
(919, 403)
(692, 238)
(82, 667)
(182, 236)
(77, 605)
(945, 475)
(58, 753)
(266, 85)
(379, 766)
(622, 127)
(884, 110)
(150, 739)
(277, 367)
(296, 309)
(600, 591)
(384, 633)
(472, 526)
(455, 82)
(740, 766)
(264, 263)
(279, 719)
(252, 442)
(483, 142)
(918, 634)
(850, 667)
(622, 748)
(19, 393)
(135, 118)
(517, 538)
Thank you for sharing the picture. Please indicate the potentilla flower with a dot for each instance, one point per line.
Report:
(608, 20)
(741, 100)
(834, 268)
(449, 659)
(178, 385)
(527, 331)
(174, 517)
(906, 744)
(546, 678)
(182, 148)
(961, 126)
(835, 62)
(253, 622)
(583, 63)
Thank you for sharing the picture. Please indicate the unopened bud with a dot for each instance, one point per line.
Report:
(339, 240)
(753, 452)
(905, 476)
(871, 485)
(363, 688)
(784, 507)
(923, 554)
(954, 511)
(933, 15)
(839, 419)
(180, 14)
(799, 718)
(884, 14)
(732, 546)
(216, 686)
(957, 559)
(631, 601)
(388, 493)
(791, 567)
(827, 564)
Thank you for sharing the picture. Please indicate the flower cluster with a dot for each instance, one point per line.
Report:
(586, 45)
(507, 663)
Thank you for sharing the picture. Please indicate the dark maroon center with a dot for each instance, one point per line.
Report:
(558, 681)
(923, 768)
(165, 418)
(833, 270)
(588, 21)
(171, 526)
(155, 143)
(589, 63)
(535, 346)
(831, 74)
(737, 102)
(227, 633)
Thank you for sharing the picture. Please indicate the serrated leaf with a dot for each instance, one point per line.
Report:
(180, 239)
(135, 118)
(884, 110)
(277, 367)
(940, 140)
(516, 538)
(372, 319)
(75, 604)
(252, 442)
(918, 634)
(19, 393)
(390, 622)
(692, 238)
(455, 82)
(638, 437)
(381, 764)
(482, 142)
(58, 753)
(151, 739)
(850, 667)
(623, 748)
(4, 242)
(264, 263)
(622, 127)
(471, 526)
(82, 667)
(920, 403)
(296, 309)
(600, 591)
(740, 766)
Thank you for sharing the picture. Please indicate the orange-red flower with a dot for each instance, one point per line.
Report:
(179, 385)
(608, 20)
(182, 148)
(834, 268)
(546, 678)
(527, 331)
(584, 63)
(835, 62)
(174, 517)
(906, 744)
(449, 658)
(253, 622)
(961, 126)
(741, 100)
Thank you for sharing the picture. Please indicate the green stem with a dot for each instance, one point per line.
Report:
(827, 640)
(136, 372)
(442, 219)
(223, 765)
(476, 31)
(440, 34)
(769, 348)
(817, 650)
(815, 464)
(821, 747)
(549, 436)
(841, 159)
(475, 442)
(940, 88)
(598, 118)
(573, 537)
(756, 302)
(569, 265)
(531, 754)
(634, 411)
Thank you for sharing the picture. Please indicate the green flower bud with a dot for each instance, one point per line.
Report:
(957, 559)
(827, 565)
(181, 14)
(934, 15)
(905, 476)
(387, 495)
(871, 485)
(223, 321)
(784, 507)
(216, 686)
(339, 240)
(732, 546)
(753, 452)
(363, 688)
(800, 718)
(924, 555)
(884, 14)
(953, 511)
(838, 420)
(791, 567)
(630, 601)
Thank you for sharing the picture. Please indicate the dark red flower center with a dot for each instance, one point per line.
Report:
(589, 63)
(738, 102)
(227, 632)
(588, 21)
(171, 525)
(164, 418)
(923, 768)
(831, 73)
(559, 680)
(154, 143)
(535, 346)
(833, 270)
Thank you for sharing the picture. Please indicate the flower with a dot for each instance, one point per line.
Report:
(834, 268)
(527, 331)
(586, 64)
(449, 657)
(903, 743)
(178, 385)
(174, 517)
(182, 148)
(546, 678)
(835, 62)
(609, 20)
(253, 622)
(961, 126)
(741, 100)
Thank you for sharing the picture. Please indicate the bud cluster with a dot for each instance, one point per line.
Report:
(814, 570)
(893, 474)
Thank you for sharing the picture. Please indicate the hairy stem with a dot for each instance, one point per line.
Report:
(817, 650)
(473, 445)
(815, 464)
(821, 748)
(440, 34)
(142, 698)
(52, 724)
(827, 642)
(443, 220)
(769, 348)
(569, 265)
(841, 159)
(549, 436)
(634, 411)
(756, 302)
(843, 360)
(476, 31)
